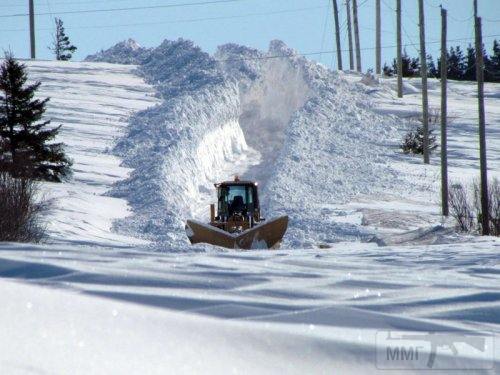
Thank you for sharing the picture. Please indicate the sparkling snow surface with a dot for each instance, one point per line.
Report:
(138, 299)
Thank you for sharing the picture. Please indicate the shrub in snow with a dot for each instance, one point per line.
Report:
(465, 206)
(388, 71)
(493, 205)
(460, 208)
(413, 142)
(20, 212)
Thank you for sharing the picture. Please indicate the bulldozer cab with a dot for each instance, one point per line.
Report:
(238, 224)
(237, 198)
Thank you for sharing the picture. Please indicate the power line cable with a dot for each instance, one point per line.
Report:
(189, 20)
(410, 39)
(342, 50)
(50, 10)
(460, 20)
(324, 28)
(388, 6)
(60, 3)
(432, 5)
(126, 8)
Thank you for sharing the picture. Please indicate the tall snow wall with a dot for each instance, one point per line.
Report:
(180, 148)
(321, 143)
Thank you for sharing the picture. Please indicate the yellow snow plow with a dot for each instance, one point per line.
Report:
(237, 224)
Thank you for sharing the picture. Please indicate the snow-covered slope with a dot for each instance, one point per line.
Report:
(92, 101)
(324, 147)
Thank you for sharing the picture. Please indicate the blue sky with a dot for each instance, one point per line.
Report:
(306, 25)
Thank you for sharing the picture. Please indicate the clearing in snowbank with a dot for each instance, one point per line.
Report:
(307, 135)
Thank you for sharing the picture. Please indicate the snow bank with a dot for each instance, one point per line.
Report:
(270, 116)
(302, 117)
(181, 147)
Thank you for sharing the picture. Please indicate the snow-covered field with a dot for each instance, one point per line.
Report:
(93, 102)
(117, 289)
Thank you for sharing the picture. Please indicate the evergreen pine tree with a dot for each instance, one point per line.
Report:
(470, 64)
(394, 66)
(413, 142)
(61, 46)
(411, 67)
(431, 68)
(414, 69)
(488, 67)
(495, 61)
(495, 58)
(25, 150)
(456, 64)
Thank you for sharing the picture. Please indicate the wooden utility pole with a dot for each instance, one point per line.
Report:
(349, 33)
(399, 52)
(485, 220)
(356, 34)
(337, 34)
(423, 73)
(444, 114)
(32, 29)
(475, 10)
(378, 56)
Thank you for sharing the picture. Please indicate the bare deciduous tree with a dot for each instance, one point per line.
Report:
(20, 210)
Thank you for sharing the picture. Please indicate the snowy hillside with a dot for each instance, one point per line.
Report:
(93, 102)
(117, 288)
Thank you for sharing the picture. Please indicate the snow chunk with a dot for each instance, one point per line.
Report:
(178, 67)
(126, 52)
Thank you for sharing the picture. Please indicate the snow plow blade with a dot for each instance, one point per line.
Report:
(267, 235)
